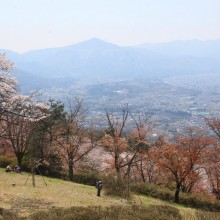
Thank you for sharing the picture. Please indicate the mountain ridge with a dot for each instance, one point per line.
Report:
(98, 59)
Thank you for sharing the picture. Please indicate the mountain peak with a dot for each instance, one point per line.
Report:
(95, 39)
(95, 43)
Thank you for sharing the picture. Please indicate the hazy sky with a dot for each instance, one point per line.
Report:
(33, 24)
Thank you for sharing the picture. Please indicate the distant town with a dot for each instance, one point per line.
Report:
(172, 103)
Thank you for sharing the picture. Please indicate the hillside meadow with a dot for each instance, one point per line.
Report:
(67, 200)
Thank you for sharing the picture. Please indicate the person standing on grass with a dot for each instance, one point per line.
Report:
(99, 187)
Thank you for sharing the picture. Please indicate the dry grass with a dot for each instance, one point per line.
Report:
(25, 199)
(186, 213)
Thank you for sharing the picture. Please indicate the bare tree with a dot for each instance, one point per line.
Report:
(114, 141)
(72, 139)
(214, 125)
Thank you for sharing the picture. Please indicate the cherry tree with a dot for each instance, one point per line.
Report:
(182, 159)
(212, 159)
(17, 123)
(8, 84)
(212, 169)
(17, 111)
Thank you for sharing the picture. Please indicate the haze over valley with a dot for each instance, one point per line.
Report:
(176, 83)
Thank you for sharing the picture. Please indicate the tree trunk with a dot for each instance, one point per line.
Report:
(71, 170)
(177, 192)
(142, 173)
(19, 159)
(128, 184)
(118, 171)
(33, 174)
(32, 171)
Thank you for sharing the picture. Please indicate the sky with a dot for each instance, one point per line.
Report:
(34, 24)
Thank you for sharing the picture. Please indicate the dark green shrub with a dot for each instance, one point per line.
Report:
(86, 177)
(25, 164)
(116, 187)
(190, 200)
(153, 190)
(200, 202)
(51, 167)
(5, 161)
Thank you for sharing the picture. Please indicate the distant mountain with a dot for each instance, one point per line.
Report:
(195, 48)
(97, 59)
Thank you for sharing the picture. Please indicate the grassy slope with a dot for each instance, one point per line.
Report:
(25, 199)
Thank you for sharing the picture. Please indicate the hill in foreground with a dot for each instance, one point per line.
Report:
(76, 201)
